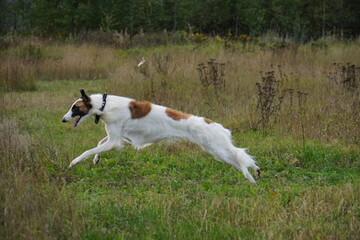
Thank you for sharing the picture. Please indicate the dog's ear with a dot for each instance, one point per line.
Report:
(84, 97)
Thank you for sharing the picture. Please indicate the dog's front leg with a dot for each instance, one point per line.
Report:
(107, 146)
(97, 156)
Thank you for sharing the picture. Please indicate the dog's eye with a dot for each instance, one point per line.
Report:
(75, 111)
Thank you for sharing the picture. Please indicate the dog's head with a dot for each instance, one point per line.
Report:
(80, 109)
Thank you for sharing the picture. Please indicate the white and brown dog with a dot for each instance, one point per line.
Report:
(141, 123)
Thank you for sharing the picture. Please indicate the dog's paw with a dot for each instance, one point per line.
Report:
(96, 159)
(258, 172)
(73, 163)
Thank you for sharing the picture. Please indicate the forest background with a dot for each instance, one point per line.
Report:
(302, 20)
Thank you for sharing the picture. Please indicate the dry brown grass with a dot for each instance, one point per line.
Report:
(25, 64)
(32, 202)
(77, 62)
(170, 77)
(328, 112)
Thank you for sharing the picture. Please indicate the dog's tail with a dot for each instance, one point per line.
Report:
(245, 161)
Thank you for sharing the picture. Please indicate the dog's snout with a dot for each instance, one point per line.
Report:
(67, 117)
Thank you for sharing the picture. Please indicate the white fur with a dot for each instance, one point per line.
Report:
(157, 126)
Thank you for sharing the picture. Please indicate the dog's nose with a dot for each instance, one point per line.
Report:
(64, 120)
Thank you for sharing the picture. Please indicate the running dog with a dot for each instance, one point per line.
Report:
(141, 123)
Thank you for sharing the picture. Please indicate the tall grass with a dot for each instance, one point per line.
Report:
(303, 73)
(33, 203)
(171, 76)
(22, 66)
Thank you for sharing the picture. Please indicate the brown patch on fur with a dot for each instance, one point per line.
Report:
(139, 109)
(176, 115)
(208, 121)
(80, 104)
(83, 107)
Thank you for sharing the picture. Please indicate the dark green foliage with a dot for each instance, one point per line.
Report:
(298, 19)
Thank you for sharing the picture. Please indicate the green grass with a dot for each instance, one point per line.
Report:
(165, 191)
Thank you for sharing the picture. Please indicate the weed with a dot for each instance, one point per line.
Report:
(347, 75)
(163, 63)
(212, 74)
(302, 97)
(144, 69)
(275, 99)
(270, 97)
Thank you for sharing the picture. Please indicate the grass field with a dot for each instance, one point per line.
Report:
(308, 150)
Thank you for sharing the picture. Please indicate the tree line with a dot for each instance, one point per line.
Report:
(302, 20)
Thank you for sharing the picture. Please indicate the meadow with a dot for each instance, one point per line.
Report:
(296, 108)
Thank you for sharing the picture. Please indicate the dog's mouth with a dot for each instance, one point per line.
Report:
(76, 122)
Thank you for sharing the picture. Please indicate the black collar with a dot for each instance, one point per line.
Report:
(97, 117)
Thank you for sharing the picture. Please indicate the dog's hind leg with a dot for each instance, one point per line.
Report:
(236, 157)
(97, 156)
(234, 161)
(257, 171)
(245, 161)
